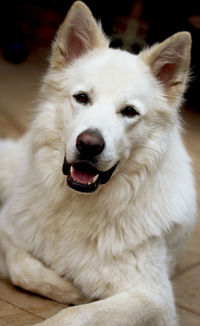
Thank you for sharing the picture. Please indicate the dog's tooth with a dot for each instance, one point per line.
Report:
(95, 178)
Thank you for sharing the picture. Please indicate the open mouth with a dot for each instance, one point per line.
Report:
(83, 177)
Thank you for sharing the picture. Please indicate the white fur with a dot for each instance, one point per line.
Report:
(122, 241)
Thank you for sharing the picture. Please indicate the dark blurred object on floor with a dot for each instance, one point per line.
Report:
(27, 25)
(15, 51)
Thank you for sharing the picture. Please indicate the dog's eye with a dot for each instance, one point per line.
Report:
(129, 111)
(82, 98)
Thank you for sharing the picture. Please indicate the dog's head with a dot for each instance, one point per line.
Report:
(114, 105)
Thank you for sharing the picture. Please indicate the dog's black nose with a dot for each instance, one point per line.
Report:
(90, 143)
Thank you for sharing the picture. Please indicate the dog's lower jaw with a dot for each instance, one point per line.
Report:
(97, 177)
(84, 188)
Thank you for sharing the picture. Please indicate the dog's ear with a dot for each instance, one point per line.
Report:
(169, 62)
(78, 34)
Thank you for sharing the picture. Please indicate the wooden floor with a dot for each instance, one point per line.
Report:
(18, 89)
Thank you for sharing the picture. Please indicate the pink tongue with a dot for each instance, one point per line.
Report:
(82, 177)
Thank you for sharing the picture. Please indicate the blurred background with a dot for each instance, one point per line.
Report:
(27, 26)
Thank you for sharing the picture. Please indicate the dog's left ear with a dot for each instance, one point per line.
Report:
(169, 62)
(78, 34)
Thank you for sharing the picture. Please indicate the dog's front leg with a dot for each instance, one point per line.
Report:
(147, 302)
(142, 306)
(30, 274)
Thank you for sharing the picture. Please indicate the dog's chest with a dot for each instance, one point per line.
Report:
(98, 273)
(91, 253)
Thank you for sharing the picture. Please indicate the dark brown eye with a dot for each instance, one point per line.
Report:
(81, 98)
(129, 111)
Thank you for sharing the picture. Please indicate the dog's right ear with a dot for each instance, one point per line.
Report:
(169, 62)
(78, 34)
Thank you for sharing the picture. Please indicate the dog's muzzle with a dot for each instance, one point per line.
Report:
(82, 175)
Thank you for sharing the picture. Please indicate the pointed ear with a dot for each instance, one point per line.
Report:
(78, 34)
(169, 62)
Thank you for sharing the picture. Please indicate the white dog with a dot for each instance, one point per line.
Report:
(98, 196)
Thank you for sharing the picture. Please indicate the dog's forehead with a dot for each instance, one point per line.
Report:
(111, 70)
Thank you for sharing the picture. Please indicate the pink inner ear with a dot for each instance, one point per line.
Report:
(167, 72)
(75, 45)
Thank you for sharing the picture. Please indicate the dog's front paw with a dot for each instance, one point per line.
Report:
(73, 316)
(65, 292)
